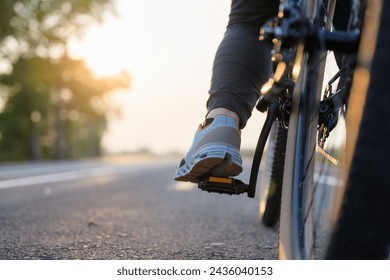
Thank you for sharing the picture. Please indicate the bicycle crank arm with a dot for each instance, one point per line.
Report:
(222, 185)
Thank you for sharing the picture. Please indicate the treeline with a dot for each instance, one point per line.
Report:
(51, 105)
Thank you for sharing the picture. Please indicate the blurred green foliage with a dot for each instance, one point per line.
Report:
(53, 107)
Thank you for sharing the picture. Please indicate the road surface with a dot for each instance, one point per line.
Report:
(123, 208)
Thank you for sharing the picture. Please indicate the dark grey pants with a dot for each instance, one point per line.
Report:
(243, 63)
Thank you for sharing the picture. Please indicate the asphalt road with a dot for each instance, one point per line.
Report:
(123, 208)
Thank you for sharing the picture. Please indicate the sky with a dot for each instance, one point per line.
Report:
(168, 49)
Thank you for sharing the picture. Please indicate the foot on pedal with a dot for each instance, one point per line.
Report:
(222, 185)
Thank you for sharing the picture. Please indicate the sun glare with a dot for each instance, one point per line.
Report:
(103, 66)
(167, 47)
(99, 54)
(107, 48)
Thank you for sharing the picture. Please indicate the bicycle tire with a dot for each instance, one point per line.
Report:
(271, 189)
(296, 233)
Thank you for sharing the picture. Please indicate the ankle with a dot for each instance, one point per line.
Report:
(223, 111)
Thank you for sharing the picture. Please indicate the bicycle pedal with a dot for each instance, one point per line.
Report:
(222, 185)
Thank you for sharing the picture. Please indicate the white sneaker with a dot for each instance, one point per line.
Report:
(215, 151)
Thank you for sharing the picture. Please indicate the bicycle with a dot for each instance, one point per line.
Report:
(302, 121)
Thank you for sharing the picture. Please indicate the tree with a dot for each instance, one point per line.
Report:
(53, 104)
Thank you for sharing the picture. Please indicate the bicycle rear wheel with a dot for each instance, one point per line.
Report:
(303, 228)
(296, 221)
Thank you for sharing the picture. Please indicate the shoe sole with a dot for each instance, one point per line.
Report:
(217, 161)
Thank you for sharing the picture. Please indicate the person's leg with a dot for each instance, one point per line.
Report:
(242, 64)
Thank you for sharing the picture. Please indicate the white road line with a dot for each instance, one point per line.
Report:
(66, 176)
(83, 173)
